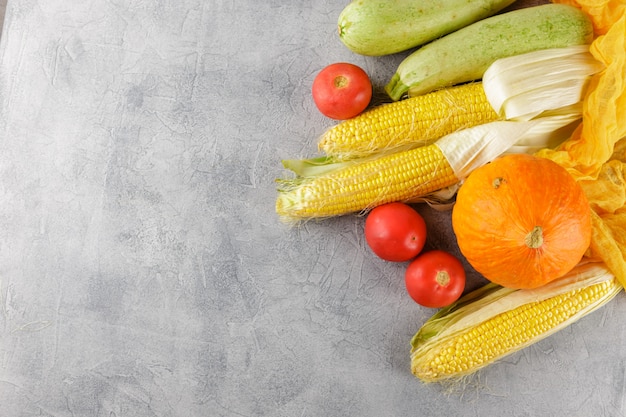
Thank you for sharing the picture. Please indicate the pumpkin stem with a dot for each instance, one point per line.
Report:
(443, 278)
(534, 239)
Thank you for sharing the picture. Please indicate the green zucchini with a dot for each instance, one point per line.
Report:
(466, 54)
(383, 27)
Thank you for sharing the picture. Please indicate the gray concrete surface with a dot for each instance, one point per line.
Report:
(3, 7)
(143, 271)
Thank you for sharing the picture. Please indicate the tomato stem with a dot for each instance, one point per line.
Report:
(340, 81)
(443, 278)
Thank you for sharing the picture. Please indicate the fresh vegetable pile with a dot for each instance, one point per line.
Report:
(517, 122)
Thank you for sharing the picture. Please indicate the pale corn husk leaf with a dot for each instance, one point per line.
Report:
(522, 87)
(533, 143)
(440, 200)
(471, 148)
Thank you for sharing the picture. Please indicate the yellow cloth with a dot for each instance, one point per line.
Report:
(596, 152)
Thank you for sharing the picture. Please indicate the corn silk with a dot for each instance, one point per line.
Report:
(595, 154)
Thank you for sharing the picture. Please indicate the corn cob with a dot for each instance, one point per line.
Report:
(331, 189)
(493, 322)
(360, 186)
(416, 121)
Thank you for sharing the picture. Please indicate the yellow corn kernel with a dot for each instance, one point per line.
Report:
(412, 122)
(475, 347)
(363, 185)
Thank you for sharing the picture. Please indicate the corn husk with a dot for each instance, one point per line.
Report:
(490, 301)
(522, 87)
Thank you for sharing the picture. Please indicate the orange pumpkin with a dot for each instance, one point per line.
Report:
(522, 221)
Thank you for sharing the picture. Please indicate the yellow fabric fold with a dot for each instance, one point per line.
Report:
(595, 154)
(604, 107)
(607, 197)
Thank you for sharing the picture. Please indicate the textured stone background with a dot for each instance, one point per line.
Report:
(143, 271)
(3, 6)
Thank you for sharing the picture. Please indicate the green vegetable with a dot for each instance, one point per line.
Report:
(466, 54)
(382, 27)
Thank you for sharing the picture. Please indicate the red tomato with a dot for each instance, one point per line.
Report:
(395, 232)
(435, 279)
(342, 90)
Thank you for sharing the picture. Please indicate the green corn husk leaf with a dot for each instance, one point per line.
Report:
(313, 166)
